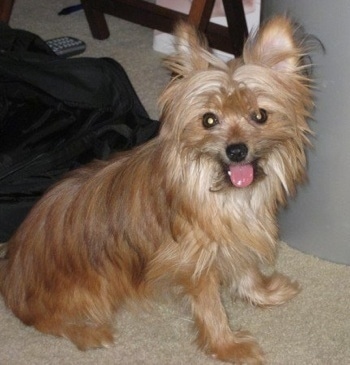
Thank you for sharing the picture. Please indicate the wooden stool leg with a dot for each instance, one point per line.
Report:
(5, 10)
(236, 24)
(200, 13)
(96, 21)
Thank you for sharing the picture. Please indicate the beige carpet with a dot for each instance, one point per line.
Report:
(312, 329)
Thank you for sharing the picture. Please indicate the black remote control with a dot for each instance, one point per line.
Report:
(66, 46)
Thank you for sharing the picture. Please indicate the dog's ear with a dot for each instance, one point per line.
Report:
(274, 46)
(191, 51)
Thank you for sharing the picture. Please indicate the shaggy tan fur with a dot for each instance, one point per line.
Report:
(168, 211)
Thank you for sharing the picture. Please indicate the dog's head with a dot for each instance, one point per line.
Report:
(245, 120)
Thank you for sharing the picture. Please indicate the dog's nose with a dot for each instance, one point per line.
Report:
(237, 152)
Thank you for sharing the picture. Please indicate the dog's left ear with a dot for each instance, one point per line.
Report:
(191, 51)
(274, 46)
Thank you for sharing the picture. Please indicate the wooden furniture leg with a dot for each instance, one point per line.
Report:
(5, 10)
(228, 39)
(200, 13)
(96, 21)
(236, 23)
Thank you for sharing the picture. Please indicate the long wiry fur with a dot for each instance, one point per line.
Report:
(166, 211)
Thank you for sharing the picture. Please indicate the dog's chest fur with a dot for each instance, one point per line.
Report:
(224, 232)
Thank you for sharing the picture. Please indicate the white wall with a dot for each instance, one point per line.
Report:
(318, 221)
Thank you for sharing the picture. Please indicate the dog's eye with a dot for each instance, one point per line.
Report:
(259, 117)
(210, 120)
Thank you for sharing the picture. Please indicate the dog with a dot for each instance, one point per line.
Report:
(193, 209)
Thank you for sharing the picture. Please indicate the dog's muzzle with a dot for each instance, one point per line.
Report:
(237, 152)
(241, 174)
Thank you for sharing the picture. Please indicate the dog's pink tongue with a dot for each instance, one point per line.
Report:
(241, 175)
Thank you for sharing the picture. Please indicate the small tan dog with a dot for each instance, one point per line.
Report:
(195, 207)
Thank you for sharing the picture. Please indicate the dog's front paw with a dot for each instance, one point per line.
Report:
(278, 289)
(267, 291)
(241, 350)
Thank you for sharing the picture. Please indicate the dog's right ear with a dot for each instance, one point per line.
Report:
(191, 51)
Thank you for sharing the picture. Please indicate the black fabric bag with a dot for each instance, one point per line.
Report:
(55, 115)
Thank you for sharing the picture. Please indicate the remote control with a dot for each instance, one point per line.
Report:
(66, 46)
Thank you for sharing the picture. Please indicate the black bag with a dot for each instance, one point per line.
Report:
(55, 115)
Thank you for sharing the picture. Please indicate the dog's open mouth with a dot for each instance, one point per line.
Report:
(243, 175)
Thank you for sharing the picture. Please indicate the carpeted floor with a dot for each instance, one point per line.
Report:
(312, 329)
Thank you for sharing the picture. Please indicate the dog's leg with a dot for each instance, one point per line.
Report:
(215, 335)
(86, 336)
(266, 291)
(83, 335)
